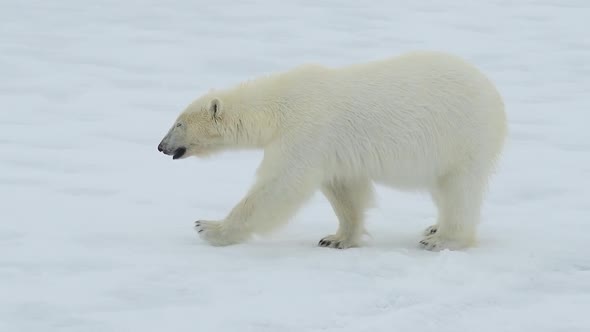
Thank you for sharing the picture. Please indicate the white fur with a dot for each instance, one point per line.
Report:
(421, 121)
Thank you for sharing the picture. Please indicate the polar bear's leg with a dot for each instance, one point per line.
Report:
(459, 198)
(438, 201)
(270, 203)
(349, 200)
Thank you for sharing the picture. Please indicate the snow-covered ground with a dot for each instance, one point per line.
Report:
(96, 225)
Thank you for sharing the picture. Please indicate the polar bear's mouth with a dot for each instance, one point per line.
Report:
(179, 152)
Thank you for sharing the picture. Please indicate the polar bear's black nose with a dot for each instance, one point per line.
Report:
(160, 148)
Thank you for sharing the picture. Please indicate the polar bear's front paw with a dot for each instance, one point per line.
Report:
(436, 242)
(337, 242)
(430, 230)
(217, 233)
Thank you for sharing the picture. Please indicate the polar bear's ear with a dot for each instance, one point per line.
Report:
(215, 109)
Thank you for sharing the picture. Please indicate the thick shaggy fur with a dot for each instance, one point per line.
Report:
(420, 121)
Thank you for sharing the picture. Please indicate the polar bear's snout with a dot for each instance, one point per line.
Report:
(175, 152)
(169, 146)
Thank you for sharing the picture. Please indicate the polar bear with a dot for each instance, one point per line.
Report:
(423, 120)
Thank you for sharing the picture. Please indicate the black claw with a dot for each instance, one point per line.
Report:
(200, 230)
(331, 244)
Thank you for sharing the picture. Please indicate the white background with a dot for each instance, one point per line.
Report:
(96, 225)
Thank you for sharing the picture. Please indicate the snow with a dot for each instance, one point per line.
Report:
(96, 225)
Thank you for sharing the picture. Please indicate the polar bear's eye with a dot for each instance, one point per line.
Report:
(178, 124)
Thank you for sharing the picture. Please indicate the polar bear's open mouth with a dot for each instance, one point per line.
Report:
(179, 153)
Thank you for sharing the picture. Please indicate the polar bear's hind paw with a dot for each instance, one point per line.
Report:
(336, 242)
(436, 242)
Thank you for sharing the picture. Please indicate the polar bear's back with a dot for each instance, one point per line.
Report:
(416, 116)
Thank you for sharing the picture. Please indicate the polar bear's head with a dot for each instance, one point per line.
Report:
(198, 131)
